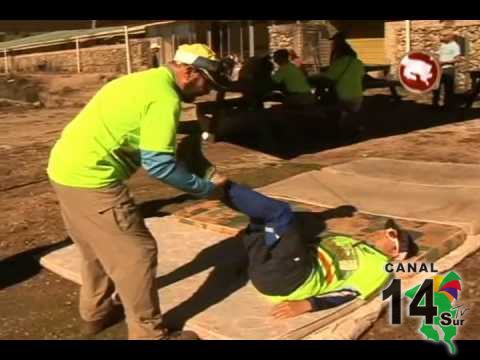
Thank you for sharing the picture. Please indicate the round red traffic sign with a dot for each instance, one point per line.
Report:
(419, 72)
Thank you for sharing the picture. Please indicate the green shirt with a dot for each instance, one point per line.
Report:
(293, 78)
(101, 146)
(348, 73)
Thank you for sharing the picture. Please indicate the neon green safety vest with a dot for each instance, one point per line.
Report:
(343, 263)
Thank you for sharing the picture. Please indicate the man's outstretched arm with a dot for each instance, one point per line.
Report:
(158, 145)
(164, 167)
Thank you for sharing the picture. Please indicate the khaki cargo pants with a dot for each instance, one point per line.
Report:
(119, 254)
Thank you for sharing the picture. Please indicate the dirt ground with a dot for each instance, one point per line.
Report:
(36, 304)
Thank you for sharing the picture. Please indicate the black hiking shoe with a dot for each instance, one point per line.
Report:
(90, 328)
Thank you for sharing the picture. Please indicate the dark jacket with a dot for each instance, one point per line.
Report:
(282, 268)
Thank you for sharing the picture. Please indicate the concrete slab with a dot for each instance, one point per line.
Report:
(203, 285)
(414, 172)
(202, 276)
(381, 193)
(434, 240)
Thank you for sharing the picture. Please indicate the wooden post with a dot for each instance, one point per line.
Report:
(174, 45)
(318, 55)
(251, 39)
(127, 51)
(209, 38)
(221, 42)
(77, 45)
(241, 41)
(229, 50)
(407, 36)
(161, 52)
(190, 33)
(5, 57)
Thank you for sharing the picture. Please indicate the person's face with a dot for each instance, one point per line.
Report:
(386, 241)
(195, 83)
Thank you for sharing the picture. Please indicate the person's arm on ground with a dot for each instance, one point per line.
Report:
(290, 309)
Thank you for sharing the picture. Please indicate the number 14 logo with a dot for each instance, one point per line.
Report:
(417, 307)
(434, 301)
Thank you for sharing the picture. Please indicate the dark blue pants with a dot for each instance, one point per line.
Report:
(271, 215)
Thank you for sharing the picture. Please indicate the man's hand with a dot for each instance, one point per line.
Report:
(219, 180)
(290, 309)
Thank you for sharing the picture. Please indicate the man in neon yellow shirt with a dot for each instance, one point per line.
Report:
(293, 80)
(130, 123)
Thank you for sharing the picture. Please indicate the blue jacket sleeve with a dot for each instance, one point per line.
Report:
(165, 168)
(331, 300)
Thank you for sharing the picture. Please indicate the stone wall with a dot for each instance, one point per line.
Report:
(425, 36)
(310, 42)
(286, 36)
(98, 59)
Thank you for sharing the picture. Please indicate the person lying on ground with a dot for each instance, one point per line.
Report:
(301, 275)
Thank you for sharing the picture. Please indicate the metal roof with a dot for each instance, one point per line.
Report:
(65, 36)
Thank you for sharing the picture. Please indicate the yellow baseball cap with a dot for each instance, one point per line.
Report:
(195, 50)
(204, 59)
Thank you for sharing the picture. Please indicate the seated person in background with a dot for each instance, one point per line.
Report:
(292, 79)
(295, 59)
(343, 79)
(346, 71)
(302, 275)
(236, 67)
(255, 80)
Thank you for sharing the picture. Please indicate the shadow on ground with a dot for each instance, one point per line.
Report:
(157, 207)
(229, 261)
(301, 133)
(22, 266)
